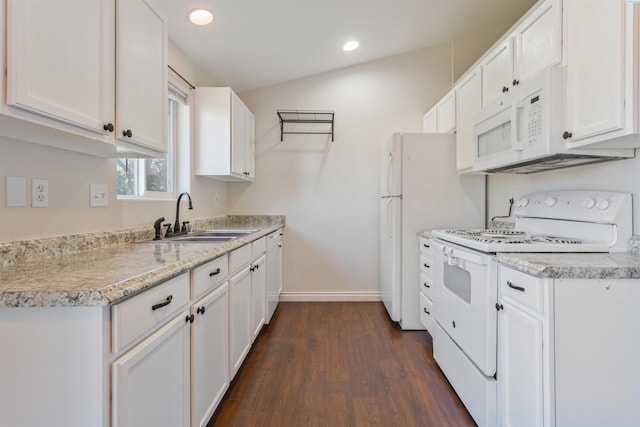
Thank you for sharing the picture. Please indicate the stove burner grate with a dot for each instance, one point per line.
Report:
(555, 240)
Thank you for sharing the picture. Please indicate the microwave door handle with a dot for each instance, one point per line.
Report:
(516, 108)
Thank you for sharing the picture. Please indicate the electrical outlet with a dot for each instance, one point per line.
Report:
(99, 195)
(39, 193)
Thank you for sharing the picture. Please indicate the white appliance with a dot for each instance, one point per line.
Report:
(523, 131)
(420, 189)
(466, 287)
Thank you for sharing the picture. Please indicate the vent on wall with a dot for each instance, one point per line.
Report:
(306, 122)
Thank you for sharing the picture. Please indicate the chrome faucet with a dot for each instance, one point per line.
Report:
(176, 226)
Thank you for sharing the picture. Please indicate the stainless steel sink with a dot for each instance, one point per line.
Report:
(201, 239)
(207, 236)
(223, 233)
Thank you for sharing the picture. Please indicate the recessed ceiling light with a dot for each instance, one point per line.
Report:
(351, 45)
(200, 16)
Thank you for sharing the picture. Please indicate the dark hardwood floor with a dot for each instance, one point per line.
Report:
(338, 364)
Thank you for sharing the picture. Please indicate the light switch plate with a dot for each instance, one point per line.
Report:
(99, 195)
(16, 191)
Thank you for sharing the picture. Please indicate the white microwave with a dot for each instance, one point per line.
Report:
(522, 131)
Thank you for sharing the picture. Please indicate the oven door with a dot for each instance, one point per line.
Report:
(464, 303)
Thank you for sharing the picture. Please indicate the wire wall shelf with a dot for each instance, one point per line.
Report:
(305, 122)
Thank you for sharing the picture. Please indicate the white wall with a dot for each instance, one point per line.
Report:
(620, 175)
(329, 191)
(70, 174)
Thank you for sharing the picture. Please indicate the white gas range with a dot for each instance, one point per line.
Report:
(465, 279)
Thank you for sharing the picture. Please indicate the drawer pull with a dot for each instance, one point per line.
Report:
(426, 265)
(200, 310)
(215, 273)
(162, 304)
(426, 311)
(190, 318)
(517, 288)
(426, 246)
(425, 285)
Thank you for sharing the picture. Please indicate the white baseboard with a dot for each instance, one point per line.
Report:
(330, 296)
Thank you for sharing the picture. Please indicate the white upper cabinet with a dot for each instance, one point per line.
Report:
(141, 79)
(469, 102)
(538, 41)
(225, 135)
(535, 44)
(430, 121)
(442, 117)
(447, 113)
(602, 73)
(67, 83)
(497, 71)
(59, 66)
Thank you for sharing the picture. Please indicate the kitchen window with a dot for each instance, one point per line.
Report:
(161, 178)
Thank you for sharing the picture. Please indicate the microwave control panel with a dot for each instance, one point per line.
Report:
(534, 119)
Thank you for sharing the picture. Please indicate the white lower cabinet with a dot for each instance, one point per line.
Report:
(426, 281)
(151, 381)
(163, 357)
(258, 294)
(520, 368)
(274, 273)
(209, 354)
(568, 351)
(239, 317)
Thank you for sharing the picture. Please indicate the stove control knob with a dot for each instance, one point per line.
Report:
(602, 204)
(550, 201)
(523, 202)
(589, 202)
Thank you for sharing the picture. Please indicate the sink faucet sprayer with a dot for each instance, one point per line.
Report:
(176, 226)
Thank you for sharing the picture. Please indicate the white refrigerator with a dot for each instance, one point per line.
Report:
(419, 189)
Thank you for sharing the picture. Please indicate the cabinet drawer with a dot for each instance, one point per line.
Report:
(426, 308)
(273, 239)
(239, 258)
(258, 247)
(141, 314)
(426, 248)
(207, 276)
(426, 286)
(522, 288)
(425, 266)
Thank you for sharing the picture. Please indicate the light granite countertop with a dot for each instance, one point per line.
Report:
(574, 265)
(105, 275)
(425, 233)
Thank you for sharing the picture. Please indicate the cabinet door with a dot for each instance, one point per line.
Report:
(447, 113)
(497, 72)
(274, 279)
(258, 294)
(209, 354)
(595, 66)
(430, 121)
(238, 143)
(61, 66)
(250, 140)
(141, 89)
(538, 41)
(151, 381)
(239, 318)
(469, 102)
(520, 370)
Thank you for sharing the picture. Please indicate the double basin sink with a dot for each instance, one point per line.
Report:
(208, 236)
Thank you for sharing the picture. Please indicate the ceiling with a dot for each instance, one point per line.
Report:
(255, 43)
